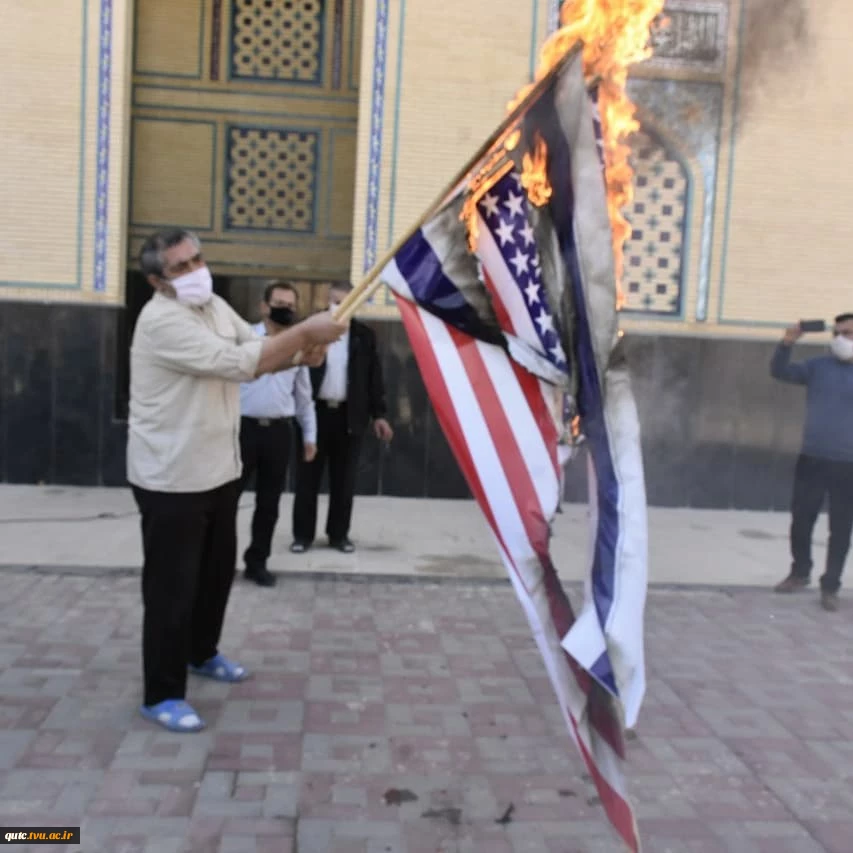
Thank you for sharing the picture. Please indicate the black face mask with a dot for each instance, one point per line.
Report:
(282, 316)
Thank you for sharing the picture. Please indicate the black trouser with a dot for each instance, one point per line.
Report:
(189, 540)
(814, 480)
(340, 448)
(265, 448)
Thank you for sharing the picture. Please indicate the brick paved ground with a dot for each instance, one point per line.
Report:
(429, 695)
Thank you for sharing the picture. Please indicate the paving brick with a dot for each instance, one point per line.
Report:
(344, 688)
(271, 684)
(345, 663)
(261, 715)
(256, 752)
(14, 744)
(238, 844)
(414, 721)
(345, 753)
(353, 717)
(20, 713)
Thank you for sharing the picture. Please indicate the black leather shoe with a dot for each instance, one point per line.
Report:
(262, 577)
(344, 545)
(299, 547)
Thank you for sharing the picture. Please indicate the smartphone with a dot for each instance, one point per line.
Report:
(813, 325)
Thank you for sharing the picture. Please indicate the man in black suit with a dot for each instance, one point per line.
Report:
(348, 393)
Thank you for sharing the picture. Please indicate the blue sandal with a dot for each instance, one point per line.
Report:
(176, 715)
(219, 668)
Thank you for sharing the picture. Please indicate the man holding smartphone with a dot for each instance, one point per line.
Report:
(825, 465)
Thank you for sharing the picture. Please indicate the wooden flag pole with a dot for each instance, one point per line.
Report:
(369, 284)
(345, 313)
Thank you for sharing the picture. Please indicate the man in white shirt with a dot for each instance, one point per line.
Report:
(189, 353)
(268, 406)
(349, 394)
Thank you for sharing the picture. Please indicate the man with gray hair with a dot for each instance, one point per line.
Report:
(189, 354)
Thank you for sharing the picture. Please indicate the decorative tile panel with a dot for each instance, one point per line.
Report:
(102, 189)
(271, 179)
(653, 252)
(694, 38)
(278, 40)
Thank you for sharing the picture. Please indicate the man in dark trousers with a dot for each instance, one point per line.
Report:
(189, 353)
(825, 465)
(348, 393)
(268, 406)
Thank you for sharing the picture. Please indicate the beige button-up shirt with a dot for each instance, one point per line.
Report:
(186, 364)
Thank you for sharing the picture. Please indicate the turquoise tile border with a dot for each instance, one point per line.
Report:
(395, 145)
(534, 38)
(377, 115)
(102, 167)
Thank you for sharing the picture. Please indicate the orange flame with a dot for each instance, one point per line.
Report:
(534, 175)
(615, 35)
(575, 426)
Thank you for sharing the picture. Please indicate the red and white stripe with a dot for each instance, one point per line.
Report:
(495, 421)
(513, 317)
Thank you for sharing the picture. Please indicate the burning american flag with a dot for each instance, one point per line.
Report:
(508, 294)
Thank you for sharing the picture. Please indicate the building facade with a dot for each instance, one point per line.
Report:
(301, 138)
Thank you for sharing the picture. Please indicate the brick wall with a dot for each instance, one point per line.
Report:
(63, 105)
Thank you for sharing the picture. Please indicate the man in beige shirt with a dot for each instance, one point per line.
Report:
(189, 353)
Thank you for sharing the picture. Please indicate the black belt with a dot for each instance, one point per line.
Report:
(332, 404)
(265, 422)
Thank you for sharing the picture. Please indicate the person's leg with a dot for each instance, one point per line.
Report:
(840, 525)
(217, 572)
(308, 478)
(173, 539)
(810, 487)
(343, 465)
(273, 456)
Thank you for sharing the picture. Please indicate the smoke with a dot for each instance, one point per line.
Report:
(775, 45)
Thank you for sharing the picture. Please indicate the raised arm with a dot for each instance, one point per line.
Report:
(781, 367)
(198, 350)
(307, 339)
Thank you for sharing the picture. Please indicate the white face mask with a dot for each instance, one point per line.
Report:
(842, 348)
(194, 288)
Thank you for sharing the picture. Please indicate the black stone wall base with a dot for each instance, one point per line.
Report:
(718, 432)
(57, 396)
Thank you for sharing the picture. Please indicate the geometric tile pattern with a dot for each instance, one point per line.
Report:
(271, 179)
(390, 717)
(653, 252)
(277, 40)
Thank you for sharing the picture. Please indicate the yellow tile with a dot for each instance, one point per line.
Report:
(170, 37)
(172, 172)
(42, 164)
(341, 177)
